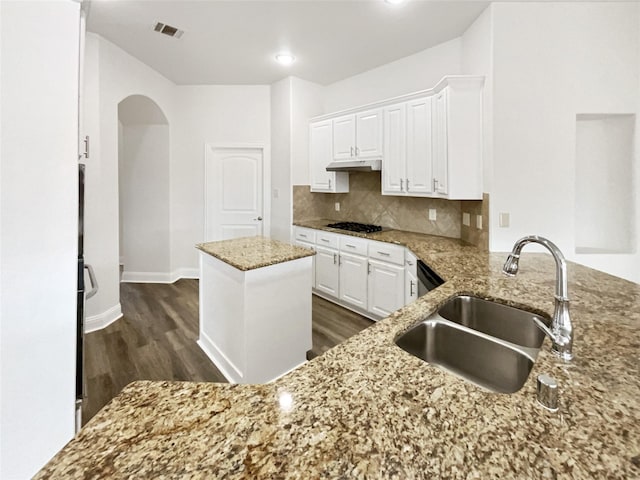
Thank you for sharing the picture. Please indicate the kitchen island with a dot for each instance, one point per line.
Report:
(367, 409)
(255, 307)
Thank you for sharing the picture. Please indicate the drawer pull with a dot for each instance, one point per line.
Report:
(325, 240)
(350, 246)
(303, 235)
(384, 253)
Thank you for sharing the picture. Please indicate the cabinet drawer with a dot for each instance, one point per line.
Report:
(353, 245)
(327, 239)
(305, 235)
(387, 252)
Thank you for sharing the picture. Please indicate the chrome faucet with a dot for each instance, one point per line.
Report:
(561, 332)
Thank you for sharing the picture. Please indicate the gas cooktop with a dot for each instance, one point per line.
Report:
(356, 227)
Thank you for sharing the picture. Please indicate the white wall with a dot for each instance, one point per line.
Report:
(111, 75)
(307, 100)
(216, 114)
(144, 202)
(281, 136)
(419, 71)
(551, 62)
(39, 221)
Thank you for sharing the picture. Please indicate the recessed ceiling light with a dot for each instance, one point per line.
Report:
(285, 58)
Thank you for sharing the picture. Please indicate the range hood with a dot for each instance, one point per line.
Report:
(355, 166)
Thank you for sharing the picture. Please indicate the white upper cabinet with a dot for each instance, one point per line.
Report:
(408, 154)
(358, 136)
(320, 155)
(419, 147)
(457, 162)
(344, 137)
(369, 134)
(430, 142)
(395, 149)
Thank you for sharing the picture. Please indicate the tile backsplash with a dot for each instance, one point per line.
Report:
(364, 203)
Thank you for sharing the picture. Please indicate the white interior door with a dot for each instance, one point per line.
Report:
(233, 193)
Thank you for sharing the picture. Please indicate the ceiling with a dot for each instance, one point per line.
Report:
(235, 42)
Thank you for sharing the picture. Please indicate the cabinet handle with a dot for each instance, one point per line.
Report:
(351, 151)
(357, 151)
(401, 184)
(86, 146)
(411, 288)
(407, 184)
(324, 240)
(334, 258)
(368, 268)
(435, 184)
(303, 235)
(350, 246)
(339, 260)
(385, 254)
(410, 263)
(329, 184)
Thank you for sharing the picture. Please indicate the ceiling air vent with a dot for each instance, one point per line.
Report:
(168, 30)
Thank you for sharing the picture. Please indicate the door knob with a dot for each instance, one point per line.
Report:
(258, 219)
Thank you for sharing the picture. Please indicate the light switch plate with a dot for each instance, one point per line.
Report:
(337, 205)
(466, 219)
(504, 219)
(432, 214)
(479, 222)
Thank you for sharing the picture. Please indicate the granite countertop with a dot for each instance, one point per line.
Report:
(248, 253)
(367, 409)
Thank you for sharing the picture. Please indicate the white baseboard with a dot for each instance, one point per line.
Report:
(102, 320)
(160, 277)
(219, 359)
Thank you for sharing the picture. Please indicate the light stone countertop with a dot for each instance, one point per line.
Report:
(248, 253)
(367, 409)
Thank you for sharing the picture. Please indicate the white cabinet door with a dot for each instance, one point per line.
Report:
(321, 155)
(353, 280)
(441, 154)
(395, 149)
(419, 147)
(344, 137)
(369, 134)
(386, 288)
(327, 271)
(310, 246)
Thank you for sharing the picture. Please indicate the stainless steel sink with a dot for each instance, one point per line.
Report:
(486, 343)
(500, 321)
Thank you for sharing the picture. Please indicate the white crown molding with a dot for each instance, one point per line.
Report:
(102, 320)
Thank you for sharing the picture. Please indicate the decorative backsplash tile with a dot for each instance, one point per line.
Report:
(365, 204)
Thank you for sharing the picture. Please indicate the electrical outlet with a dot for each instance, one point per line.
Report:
(432, 214)
(337, 205)
(479, 222)
(504, 219)
(466, 219)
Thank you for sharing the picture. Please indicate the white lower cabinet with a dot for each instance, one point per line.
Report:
(386, 288)
(353, 280)
(327, 270)
(372, 278)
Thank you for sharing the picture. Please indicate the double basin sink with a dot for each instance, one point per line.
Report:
(484, 342)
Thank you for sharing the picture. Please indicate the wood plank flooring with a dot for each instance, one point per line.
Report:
(156, 340)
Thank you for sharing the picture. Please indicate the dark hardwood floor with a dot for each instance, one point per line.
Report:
(156, 340)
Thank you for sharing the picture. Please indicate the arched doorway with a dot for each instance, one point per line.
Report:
(143, 190)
